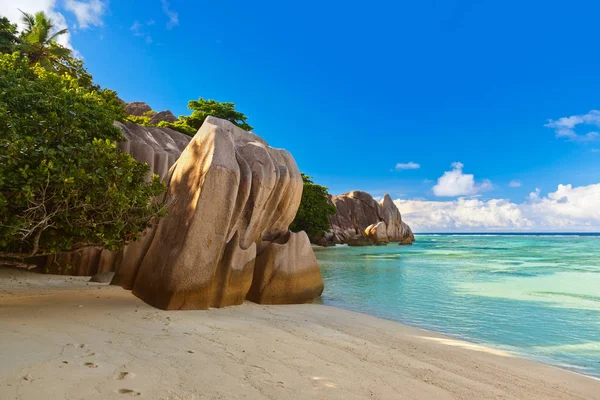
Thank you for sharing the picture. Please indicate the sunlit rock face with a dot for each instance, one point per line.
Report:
(360, 220)
(225, 238)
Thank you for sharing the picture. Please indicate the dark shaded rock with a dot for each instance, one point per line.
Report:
(359, 241)
(161, 116)
(102, 277)
(137, 108)
(320, 241)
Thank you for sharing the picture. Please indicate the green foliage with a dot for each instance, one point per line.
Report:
(314, 210)
(63, 182)
(202, 108)
(179, 126)
(38, 41)
(38, 45)
(138, 119)
(8, 36)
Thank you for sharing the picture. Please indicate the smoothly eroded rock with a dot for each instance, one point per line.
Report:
(377, 233)
(225, 238)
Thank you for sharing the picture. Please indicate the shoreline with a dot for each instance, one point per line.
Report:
(68, 338)
(489, 346)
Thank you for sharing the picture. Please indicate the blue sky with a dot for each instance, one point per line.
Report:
(353, 89)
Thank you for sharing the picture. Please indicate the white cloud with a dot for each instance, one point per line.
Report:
(565, 127)
(148, 40)
(11, 11)
(136, 28)
(514, 184)
(456, 183)
(88, 13)
(172, 15)
(567, 209)
(408, 165)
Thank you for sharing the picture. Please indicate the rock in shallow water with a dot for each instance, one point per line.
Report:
(359, 220)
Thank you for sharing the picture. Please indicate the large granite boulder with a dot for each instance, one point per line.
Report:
(225, 239)
(360, 220)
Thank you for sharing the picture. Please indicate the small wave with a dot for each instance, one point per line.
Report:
(587, 297)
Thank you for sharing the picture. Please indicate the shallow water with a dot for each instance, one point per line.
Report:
(536, 296)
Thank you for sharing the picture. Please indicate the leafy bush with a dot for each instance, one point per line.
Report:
(63, 182)
(201, 109)
(8, 36)
(314, 210)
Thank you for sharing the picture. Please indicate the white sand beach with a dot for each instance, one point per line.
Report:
(64, 338)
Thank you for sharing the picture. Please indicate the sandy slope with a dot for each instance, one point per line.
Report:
(61, 338)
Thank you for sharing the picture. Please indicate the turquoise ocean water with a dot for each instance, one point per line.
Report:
(535, 296)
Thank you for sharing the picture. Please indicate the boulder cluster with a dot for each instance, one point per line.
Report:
(139, 109)
(360, 220)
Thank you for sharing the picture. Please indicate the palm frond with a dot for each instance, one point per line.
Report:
(57, 34)
(28, 20)
(59, 51)
(45, 62)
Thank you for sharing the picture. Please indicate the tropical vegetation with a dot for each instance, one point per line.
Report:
(63, 183)
(201, 109)
(314, 211)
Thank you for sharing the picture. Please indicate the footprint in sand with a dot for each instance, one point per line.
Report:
(91, 365)
(129, 392)
(124, 375)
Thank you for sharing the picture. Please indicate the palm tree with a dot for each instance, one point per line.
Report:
(39, 41)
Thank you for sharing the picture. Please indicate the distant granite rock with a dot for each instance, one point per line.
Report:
(225, 238)
(166, 116)
(360, 220)
(137, 108)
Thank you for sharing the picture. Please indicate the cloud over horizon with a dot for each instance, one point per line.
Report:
(456, 183)
(567, 209)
